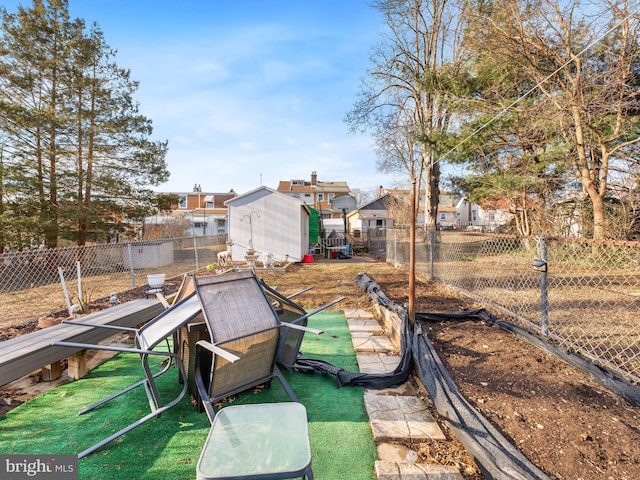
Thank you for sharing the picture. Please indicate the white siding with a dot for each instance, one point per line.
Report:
(279, 224)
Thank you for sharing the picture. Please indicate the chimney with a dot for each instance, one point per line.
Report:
(380, 190)
(314, 178)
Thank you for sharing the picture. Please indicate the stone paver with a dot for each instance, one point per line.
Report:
(363, 342)
(358, 313)
(415, 471)
(376, 363)
(368, 363)
(398, 418)
(396, 453)
(367, 326)
(396, 415)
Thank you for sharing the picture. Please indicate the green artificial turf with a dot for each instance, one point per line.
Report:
(169, 447)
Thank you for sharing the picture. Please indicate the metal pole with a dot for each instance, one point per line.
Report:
(195, 249)
(544, 293)
(432, 242)
(132, 275)
(395, 248)
(412, 254)
(64, 290)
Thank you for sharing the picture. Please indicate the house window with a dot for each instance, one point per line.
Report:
(307, 195)
(296, 195)
(321, 197)
(222, 224)
(182, 201)
(380, 223)
(443, 216)
(331, 196)
(474, 216)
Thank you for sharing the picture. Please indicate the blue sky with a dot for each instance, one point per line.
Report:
(247, 92)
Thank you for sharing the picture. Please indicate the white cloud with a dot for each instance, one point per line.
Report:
(245, 92)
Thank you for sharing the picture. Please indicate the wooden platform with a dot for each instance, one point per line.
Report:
(25, 354)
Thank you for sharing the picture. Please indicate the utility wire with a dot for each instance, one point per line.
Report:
(535, 87)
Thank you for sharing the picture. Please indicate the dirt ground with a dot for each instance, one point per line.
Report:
(566, 424)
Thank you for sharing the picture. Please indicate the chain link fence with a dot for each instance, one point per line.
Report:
(583, 295)
(35, 283)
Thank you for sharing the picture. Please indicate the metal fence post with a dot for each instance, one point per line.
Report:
(395, 248)
(541, 265)
(432, 242)
(195, 249)
(131, 272)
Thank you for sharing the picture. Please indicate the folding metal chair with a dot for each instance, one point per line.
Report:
(242, 323)
(147, 338)
(289, 312)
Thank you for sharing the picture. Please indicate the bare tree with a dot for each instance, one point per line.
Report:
(363, 196)
(585, 67)
(398, 210)
(408, 90)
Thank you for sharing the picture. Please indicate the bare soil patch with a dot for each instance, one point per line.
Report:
(566, 424)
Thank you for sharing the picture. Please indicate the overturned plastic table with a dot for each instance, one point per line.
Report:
(259, 441)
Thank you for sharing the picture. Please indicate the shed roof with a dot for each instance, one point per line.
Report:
(264, 191)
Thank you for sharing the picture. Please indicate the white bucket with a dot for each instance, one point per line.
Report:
(156, 280)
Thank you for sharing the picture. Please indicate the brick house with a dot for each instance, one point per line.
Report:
(316, 193)
(197, 213)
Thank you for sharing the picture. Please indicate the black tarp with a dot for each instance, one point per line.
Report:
(492, 452)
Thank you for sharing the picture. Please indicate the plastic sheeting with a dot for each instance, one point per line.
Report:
(607, 379)
(496, 457)
(375, 381)
(492, 452)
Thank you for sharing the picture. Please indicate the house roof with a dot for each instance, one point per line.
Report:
(447, 209)
(263, 191)
(379, 203)
(500, 202)
(210, 211)
(306, 186)
(445, 198)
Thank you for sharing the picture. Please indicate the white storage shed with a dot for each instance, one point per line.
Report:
(273, 222)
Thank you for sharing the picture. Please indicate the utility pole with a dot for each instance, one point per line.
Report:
(412, 253)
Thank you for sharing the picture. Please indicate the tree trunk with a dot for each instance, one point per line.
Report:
(432, 180)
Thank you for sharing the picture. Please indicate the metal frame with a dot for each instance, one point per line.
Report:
(147, 337)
